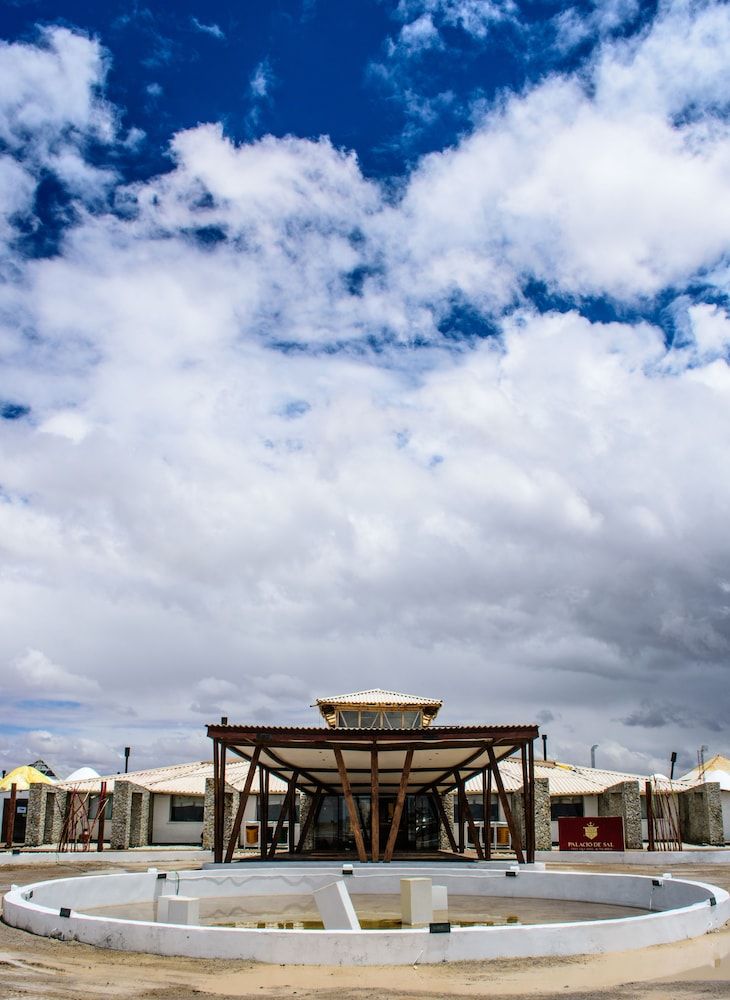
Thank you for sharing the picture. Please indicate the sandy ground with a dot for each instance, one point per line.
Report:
(33, 968)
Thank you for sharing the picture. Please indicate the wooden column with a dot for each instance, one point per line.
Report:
(460, 827)
(242, 803)
(531, 780)
(398, 811)
(487, 798)
(263, 812)
(351, 807)
(217, 831)
(100, 816)
(291, 787)
(10, 815)
(651, 846)
(441, 813)
(514, 832)
(374, 807)
(310, 819)
(293, 817)
(525, 798)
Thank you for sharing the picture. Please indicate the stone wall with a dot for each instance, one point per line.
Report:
(543, 832)
(448, 801)
(306, 803)
(700, 814)
(46, 811)
(624, 800)
(130, 816)
(232, 797)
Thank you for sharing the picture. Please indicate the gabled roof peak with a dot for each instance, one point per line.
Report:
(379, 697)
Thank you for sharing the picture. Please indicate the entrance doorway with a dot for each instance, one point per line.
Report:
(418, 830)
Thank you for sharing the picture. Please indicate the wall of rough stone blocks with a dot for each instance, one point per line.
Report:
(232, 798)
(623, 799)
(46, 811)
(700, 814)
(131, 816)
(448, 800)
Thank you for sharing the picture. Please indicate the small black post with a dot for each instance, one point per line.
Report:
(673, 761)
(544, 746)
(127, 751)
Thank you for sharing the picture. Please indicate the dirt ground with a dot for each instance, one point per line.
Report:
(34, 968)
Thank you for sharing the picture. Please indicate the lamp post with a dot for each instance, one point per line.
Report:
(593, 754)
(127, 751)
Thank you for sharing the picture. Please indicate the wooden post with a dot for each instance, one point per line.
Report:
(469, 818)
(525, 799)
(487, 806)
(293, 817)
(649, 816)
(514, 832)
(242, 803)
(222, 750)
(310, 819)
(10, 815)
(282, 814)
(398, 811)
(460, 827)
(531, 780)
(263, 812)
(101, 807)
(441, 812)
(374, 807)
(351, 807)
(217, 836)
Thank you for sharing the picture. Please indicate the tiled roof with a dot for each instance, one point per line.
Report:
(379, 697)
(571, 779)
(177, 779)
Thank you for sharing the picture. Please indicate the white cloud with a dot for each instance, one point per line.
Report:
(539, 516)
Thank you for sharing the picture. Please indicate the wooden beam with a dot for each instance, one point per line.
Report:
(284, 809)
(398, 811)
(374, 807)
(525, 798)
(449, 771)
(310, 819)
(242, 803)
(473, 832)
(441, 813)
(351, 807)
(514, 832)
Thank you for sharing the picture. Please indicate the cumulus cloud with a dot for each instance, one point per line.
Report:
(254, 465)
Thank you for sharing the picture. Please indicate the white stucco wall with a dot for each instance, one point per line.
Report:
(165, 831)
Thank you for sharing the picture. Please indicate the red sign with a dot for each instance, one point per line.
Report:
(591, 833)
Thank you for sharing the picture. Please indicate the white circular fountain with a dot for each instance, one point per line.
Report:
(80, 909)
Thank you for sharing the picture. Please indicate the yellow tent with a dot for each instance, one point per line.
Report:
(23, 777)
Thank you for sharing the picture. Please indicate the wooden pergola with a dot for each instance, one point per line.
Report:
(375, 762)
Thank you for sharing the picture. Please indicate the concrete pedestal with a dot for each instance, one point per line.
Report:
(440, 898)
(416, 900)
(182, 909)
(335, 908)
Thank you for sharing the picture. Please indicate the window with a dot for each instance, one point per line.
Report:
(186, 809)
(348, 720)
(411, 720)
(566, 805)
(370, 720)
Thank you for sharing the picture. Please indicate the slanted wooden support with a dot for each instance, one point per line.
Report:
(514, 832)
(374, 807)
(398, 811)
(263, 812)
(351, 807)
(291, 788)
(464, 805)
(444, 819)
(310, 819)
(487, 799)
(242, 803)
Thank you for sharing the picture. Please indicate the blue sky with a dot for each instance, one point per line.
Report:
(363, 344)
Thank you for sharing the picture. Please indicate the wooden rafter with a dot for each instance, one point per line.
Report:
(283, 814)
(310, 818)
(514, 832)
(374, 806)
